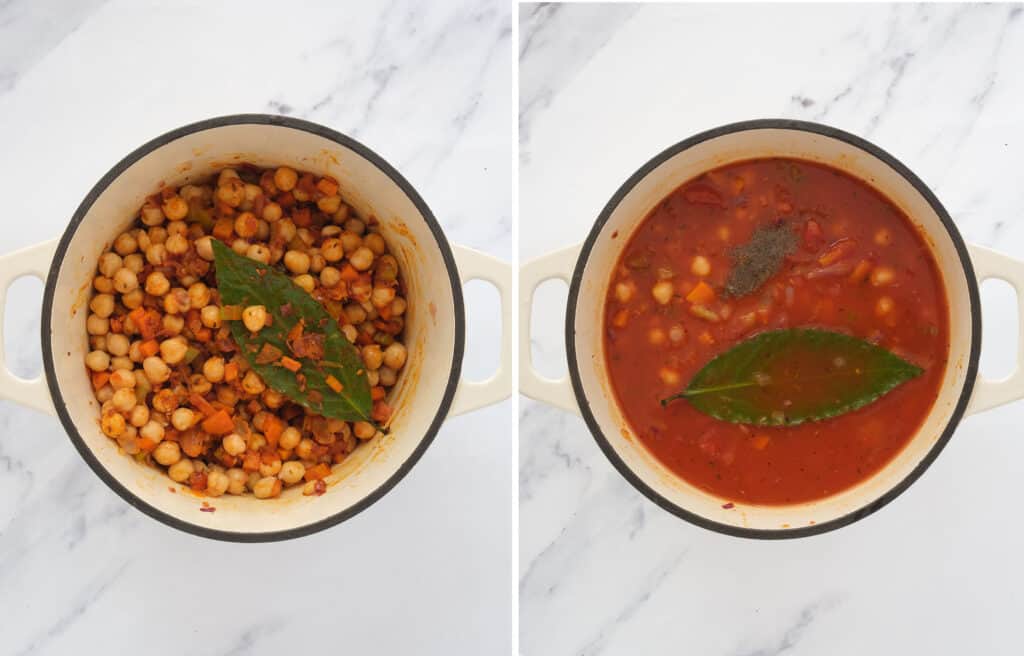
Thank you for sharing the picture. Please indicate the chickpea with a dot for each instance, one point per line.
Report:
(285, 178)
(197, 384)
(122, 379)
(356, 226)
(157, 284)
(217, 483)
(158, 234)
(373, 357)
(292, 472)
(177, 301)
(165, 401)
(132, 299)
(882, 276)
(156, 254)
(156, 370)
(134, 263)
(240, 246)
(395, 355)
(180, 470)
(167, 453)
(330, 277)
(175, 208)
(125, 280)
(234, 444)
(700, 266)
(364, 430)
(883, 237)
(306, 282)
(317, 262)
(138, 416)
(227, 395)
(103, 284)
(257, 441)
(112, 424)
(387, 376)
(210, 316)
(173, 324)
(121, 363)
(176, 244)
(258, 252)
(117, 344)
(255, 318)
(97, 360)
(272, 399)
(96, 325)
(151, 214)
(272, 468)
(332, 249)
(398, 307)
(350, 241)
(296, 261)
(355, 313)
(109, 264)
(102, 305)
(236, 480)
(252, 383)
(669, 376)
(204, 248)
(231, 192)
(125, 244)
(662, 292)
(104, 393)
(135, 353)
(272, 212)
(123, 399)
(382, 296)
(884, 306)
(267, 488)
(373, 377)
(198, 295)
(624, 291)
(350, 332)
(362, 258)
(182, 419)
(375, 243)
(173, 350)
(289, 438)
(304, 449)
(656, 336)
(213, 369)
(151, 430)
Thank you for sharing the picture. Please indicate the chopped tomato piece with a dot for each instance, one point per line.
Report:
(317, 472)
(219, 423)
(701, 294)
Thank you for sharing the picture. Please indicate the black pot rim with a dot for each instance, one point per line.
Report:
(50, 289)
(574, 367)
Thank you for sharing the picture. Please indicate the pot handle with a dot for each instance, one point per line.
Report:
(472, 395)
(558, 264)
(991, 393)
(31, 261)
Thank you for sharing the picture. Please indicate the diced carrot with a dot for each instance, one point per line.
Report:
(290, 364)
(219, 423)
(149, 347)
(251, 461)
(381, 412)
(702, 294)
(230, 371)
(363, 339)
(318, 472)
(272, 429)
(760, 442)
(302, 217)
(376, 393)
(99, 379)
(861, 271)
(349, 273)
(145, 444)
(202, 405)
(147, 322)
(334, 384)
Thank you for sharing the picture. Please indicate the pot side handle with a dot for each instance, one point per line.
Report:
(31, 261)
(472, 395)
(558, 264)
(991, 393)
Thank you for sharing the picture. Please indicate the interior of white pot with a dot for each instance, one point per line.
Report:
(635, 205)
(421, 387)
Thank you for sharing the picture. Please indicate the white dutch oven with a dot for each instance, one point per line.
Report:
(586, 268)
(428, 389)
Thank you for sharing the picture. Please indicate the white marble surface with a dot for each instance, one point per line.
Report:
(602, 570)
(428, 569)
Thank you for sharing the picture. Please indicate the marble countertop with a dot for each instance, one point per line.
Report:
(429, 568)
(604, 571)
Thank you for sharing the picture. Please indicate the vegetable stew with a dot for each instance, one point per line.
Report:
(751, 258)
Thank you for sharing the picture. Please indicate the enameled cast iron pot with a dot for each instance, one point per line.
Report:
(586, 268)
(428, 389)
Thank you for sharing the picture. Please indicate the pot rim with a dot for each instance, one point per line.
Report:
(50, 289)
(584, 256)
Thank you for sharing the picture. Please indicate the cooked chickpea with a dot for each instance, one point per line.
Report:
(271, 212)
(255, 318)
(624, 291)
(289, 438)
(330, 277)
(373, 356)
(304, 449)
(121, 363)
(231, 192)
(213, 369)
(676, 334)
(364, 430)
(182, 419)
(180, 470)
(175, 208)
(117, 344)
(102, 305)
(156, 254)
(662, 292)
(157, 284)
(138, 416)
(132, 299)
(97, 360)
(296, 261)
(306, 282)
(356, 226)
(96, 325)
(382, 296)
(156, 370)
(669, 376)
(234, 444)
(355, 313)
(198, 295)
(125, 244)
(151, 215)
(285, 178)
(104, 393)
(884, 306)
(395, 355)
(112, 424)
(103, 285)
(123, 399)
(204, 248)
(882, 276)
(398, 307)
(125, 280)
(700, 266)
(292, 472)
(134, 263)
(362, 258)
(252, 383)
(152, 430)
(109, 264)
(173, 350)
(167, 453)
(375, 243)
(350, 241)
(272, 468)
(122, 379)
(173, 324)
(210, 316)
(332, 250)
(217, 483)
(883, 237)
(387, 376)
(236, 480)
(259, 253)
(267, 487)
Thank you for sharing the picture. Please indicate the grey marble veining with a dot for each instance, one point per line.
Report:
(604, 571)
(429, 568)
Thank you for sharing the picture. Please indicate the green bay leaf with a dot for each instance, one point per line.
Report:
(786, 377)
(243, 281)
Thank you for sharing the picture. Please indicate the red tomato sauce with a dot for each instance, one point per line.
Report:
(859, 267)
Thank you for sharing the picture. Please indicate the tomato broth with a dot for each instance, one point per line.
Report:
(857, 265)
